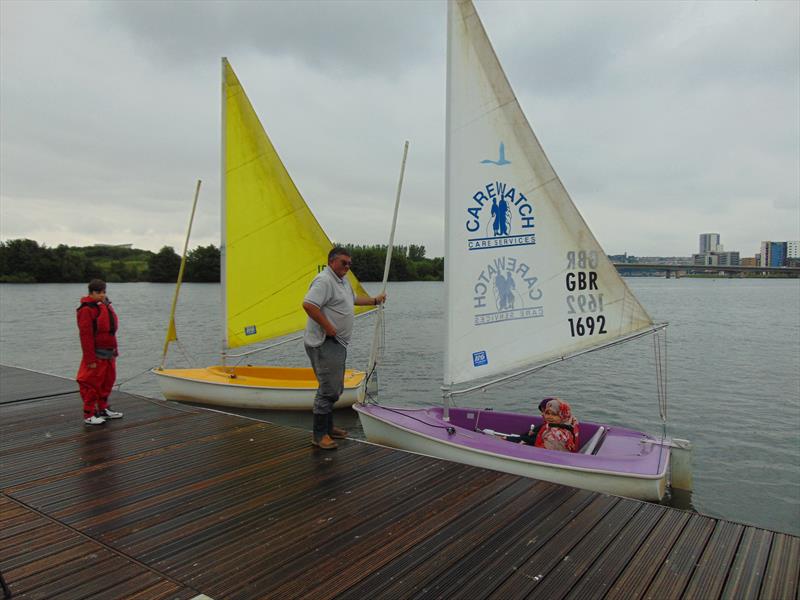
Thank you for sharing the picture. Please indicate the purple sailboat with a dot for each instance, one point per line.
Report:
(527, 285)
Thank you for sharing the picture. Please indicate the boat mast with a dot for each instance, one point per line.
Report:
(222, 192)
(171, 333)
(451, 15)
(373, 357)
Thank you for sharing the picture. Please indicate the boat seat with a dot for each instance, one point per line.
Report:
(593, 442)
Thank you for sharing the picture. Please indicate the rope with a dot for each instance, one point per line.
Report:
(121, 383)
(660, 355)
(449, 428)
(186, 354)
(381, 325)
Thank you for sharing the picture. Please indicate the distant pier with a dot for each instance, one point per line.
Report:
(179, 502)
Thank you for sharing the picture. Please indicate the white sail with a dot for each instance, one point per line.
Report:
(526, 281)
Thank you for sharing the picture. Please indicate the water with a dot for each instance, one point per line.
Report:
(733, 378)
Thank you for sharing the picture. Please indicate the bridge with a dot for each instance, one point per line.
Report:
(676, 270)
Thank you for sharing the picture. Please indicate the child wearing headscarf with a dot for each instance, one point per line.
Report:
(559, 429)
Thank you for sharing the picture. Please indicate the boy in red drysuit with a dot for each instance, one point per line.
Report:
(97, 326)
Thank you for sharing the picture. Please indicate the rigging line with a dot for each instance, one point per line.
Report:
(662, 374)
(191, 360)
(661, 446)
(666, 378)
(121, 383)
(449, 428)
(514, 376)
(657, 359)
(382, 344)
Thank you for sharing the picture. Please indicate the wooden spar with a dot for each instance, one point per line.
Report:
(373, 357)
(171, 332)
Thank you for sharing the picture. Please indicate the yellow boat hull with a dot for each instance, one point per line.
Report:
(266, 388)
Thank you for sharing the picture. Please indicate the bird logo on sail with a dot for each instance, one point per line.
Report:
(501, 160)
(506, 290)
(499, 216)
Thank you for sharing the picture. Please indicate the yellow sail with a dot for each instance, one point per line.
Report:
(273, 246)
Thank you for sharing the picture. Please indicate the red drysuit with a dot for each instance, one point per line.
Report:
(97, 325)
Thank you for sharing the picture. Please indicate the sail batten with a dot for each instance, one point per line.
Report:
(273, 244)
(526, 280)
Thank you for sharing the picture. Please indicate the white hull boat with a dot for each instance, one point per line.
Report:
(527, 285)
(272, 248)
(264, 388)
(616, 461)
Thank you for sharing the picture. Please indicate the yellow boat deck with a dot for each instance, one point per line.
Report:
(261, 376)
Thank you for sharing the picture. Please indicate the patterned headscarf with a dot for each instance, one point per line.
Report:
(557, 406)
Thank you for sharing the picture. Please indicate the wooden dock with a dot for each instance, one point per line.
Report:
(178, 502)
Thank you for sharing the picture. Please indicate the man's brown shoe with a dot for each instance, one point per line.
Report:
(326, 443)
(338, 433)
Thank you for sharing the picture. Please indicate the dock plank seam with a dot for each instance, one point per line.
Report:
(88, 538)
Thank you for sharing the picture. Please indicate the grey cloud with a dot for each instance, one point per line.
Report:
(661, 118)
(354, 37)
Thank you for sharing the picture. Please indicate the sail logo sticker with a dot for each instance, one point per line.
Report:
(506, 290)
(501, 158)
(499, 216)
(479, 358)
(250, 330)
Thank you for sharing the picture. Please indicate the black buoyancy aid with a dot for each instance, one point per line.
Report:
(112, 320)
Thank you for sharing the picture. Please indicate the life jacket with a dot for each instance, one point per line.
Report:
(556, 434)
(104, 324)
(112, 316)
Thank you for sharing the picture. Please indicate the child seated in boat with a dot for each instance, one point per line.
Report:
(559, 429)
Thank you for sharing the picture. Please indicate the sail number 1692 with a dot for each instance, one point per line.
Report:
(582, 326)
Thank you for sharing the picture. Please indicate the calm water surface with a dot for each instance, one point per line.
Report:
(733, 375)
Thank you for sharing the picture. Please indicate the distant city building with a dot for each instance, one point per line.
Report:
(773, 254)
(716, 259)
(749, 261)
(650, 260)
(728, 259)
(712, 252)
(793, 249)
(709, 242)
(665, 260)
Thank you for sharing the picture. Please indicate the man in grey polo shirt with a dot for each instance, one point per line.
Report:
(329, 304)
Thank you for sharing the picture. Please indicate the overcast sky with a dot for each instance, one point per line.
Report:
(663, 120)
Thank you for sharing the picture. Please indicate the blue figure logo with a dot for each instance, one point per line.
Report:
(501, 217)
(504, 288)
(501, 158)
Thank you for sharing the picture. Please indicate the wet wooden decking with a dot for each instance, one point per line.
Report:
(175, 502)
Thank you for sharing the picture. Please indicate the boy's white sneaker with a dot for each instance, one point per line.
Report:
(94, 420)
(107, 413)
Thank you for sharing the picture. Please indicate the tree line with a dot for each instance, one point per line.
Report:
(26, 261)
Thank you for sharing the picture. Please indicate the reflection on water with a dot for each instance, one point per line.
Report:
(734, 346)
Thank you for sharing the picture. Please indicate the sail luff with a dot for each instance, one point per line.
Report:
(452, 14)
(222, 203)
(527, 279)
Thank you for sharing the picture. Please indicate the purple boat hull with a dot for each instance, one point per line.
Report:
(613, 460)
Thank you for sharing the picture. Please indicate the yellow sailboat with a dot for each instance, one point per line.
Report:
(272, 247)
